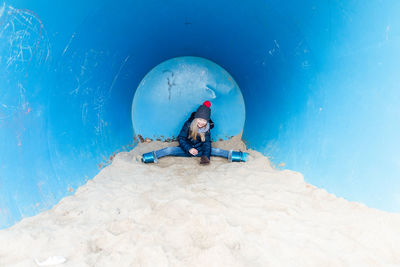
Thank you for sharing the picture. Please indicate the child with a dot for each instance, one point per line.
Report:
(195, 141)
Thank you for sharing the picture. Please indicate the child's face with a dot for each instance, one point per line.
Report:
(201, 123)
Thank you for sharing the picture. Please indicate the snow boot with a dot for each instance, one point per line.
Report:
(149, 157)
(237, 156)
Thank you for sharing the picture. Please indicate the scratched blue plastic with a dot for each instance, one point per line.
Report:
(319, 80)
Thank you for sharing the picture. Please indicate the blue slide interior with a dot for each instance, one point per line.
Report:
(174, 89)
(319, 82)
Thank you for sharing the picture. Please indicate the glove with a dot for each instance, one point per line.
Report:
(204, 160)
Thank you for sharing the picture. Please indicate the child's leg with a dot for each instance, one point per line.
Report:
(171, 151)
(218, 152)
(229, 154)
(153, 156)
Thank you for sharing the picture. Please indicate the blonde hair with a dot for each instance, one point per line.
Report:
(193, 131)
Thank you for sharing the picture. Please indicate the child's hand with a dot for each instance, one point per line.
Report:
(193, 151)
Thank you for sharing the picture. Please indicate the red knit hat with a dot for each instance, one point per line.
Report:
(204, 111)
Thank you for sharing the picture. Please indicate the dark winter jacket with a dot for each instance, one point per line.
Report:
(186, 143)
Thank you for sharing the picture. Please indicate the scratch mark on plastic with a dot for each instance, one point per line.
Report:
(171, 83)
(275, 49)
(69, 42)
(23, 31)
(84, 112)
(387, 32)
(117, 75)
(22, 99)
(2, 9)
(211, 90)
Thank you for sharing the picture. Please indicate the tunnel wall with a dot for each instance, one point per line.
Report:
(320, 81)
(168, 95)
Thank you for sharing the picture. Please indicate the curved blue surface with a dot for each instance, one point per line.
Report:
(320, 82)
(171, 91)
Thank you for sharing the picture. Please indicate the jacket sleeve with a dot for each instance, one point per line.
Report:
(206, 146)
(184, 143)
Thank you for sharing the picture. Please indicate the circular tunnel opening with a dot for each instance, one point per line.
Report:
(172, 90)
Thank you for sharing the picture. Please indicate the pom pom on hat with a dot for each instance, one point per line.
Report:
(207, 104)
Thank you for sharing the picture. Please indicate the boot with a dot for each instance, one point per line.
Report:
(237, 156)
(204, 160)
(149, 157)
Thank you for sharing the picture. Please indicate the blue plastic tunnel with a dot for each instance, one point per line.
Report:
(317, 87)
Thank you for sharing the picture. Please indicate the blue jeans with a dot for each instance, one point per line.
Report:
(179, 152)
